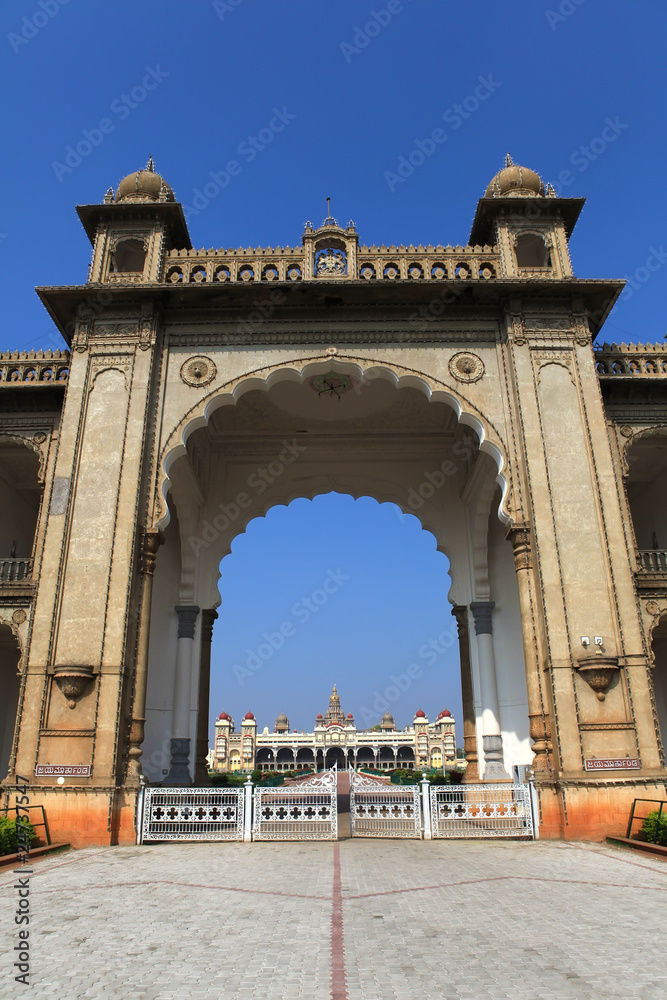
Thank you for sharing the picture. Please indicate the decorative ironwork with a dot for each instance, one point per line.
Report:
(379, 810)
(192, 814)
(308, 811)
(501, 810)
(330, 261)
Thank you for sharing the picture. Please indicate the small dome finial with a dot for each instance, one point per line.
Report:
(509, 162)
(150, 166)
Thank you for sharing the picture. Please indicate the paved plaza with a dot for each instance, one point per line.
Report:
(383, 920)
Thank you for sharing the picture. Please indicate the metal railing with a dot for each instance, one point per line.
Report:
(308, 811)
(15, 570)
(191, 814)
(661, 811)
(381, 810)
(501, 810)
(653, 560)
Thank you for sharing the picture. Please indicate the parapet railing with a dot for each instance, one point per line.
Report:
(631, 360)
(14, 570)
(34, 367)
(372, 263)
(652, 560)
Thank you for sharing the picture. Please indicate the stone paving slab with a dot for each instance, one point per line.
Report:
(452, 920)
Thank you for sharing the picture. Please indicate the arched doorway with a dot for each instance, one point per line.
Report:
(335, 756)
(659, 648)
(10, 655)
(393, 438)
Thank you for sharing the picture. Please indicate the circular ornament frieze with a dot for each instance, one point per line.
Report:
(39, 437)
(626, 431)
(652, 608)
(19, 616)
(466, 367)
(198, 371)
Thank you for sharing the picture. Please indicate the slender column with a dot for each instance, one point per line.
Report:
(460, 612)
(538, 714)
(150, 544)
(208, 617)
(179, 773)
(492, 741)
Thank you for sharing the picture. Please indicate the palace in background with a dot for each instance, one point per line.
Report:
(334, 740)
(468, 384)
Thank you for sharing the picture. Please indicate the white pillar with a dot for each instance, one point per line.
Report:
(179, 773)
(426, 808)
(492, 741)
(247, 812)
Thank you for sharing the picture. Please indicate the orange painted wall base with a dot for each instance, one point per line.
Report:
(581, 811)
(83, 817)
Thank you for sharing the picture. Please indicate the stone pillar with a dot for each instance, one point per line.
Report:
(492, 741)
(538, 714)
(460, 612)
(179, 773)
(208, 617)
(150, 544)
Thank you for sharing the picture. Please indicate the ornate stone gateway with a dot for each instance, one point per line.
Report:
(203, 387)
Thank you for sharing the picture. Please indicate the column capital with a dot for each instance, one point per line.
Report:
(208, 617)
(481, 612)
(519, 535)
(187, 619)
(460, 612)
(150, 543)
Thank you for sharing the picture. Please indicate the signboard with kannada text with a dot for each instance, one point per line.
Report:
(613, 764)
(64, 770)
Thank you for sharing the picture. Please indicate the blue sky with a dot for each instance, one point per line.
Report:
(572, 89)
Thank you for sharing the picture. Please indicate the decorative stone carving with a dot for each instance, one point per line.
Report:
(19, 616)
(598, 671)
(73, 681)
(466, 367)
(198, 371)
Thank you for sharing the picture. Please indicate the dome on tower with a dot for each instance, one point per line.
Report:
(249, 716)
(144, 185)
(514, 181)
(445, 714)
(281, 718)
(420, 714)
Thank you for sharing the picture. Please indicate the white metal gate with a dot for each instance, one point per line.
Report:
(308, 811)
(380, 810)
(481, 811)
(191, 814)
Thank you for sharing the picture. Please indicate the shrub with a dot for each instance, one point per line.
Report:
(654, 829)
(9, 839)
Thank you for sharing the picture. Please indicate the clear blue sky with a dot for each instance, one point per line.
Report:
(359, 102)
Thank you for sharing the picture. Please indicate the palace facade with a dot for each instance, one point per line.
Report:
(468, 384)
(335, 740)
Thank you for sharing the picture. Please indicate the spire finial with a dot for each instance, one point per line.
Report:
(329, 221)
(150, 166)
(509, 162)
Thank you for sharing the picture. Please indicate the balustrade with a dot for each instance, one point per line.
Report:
(15, 570)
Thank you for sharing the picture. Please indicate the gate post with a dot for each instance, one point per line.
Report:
(426, 808)
(247, 812)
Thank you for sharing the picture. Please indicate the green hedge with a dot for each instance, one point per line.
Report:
(9, 840)
(654, 830)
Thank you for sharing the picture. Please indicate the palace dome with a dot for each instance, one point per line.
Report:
(420, 714)
(514, 181)
(223, 715)
(249, 716)
(144, 185)
(319, 716)
(282, 717)
(445, 714)
(349, 715)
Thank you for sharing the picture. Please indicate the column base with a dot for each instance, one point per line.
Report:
(494, 767)
(179, 773)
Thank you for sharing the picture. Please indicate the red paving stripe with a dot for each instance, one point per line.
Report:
(187, 885)
(506, 878)
(338, 977)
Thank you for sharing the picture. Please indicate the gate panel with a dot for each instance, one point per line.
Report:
(192, 814)
(481, 811)
(298, 812)
(378, 810)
